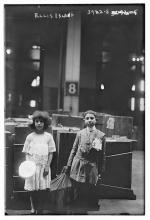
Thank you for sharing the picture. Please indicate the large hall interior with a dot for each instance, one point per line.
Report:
(66, 59)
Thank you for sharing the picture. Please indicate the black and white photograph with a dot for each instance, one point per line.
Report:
(74, 109)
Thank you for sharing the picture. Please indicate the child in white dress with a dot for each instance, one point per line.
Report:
(39, 147)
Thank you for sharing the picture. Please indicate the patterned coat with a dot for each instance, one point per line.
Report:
(84, 158)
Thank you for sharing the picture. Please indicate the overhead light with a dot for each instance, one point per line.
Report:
(36, 47)
(133, 59)
(102, 87)
(8, 51)
(133, 88)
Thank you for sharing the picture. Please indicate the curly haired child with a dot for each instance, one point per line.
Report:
(39, 147)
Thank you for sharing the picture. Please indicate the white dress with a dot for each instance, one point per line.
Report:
(37, 148)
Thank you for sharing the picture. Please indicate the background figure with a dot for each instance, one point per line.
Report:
(83, 163)
(39, 147)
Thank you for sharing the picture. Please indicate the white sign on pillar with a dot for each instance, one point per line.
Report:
(72, 70)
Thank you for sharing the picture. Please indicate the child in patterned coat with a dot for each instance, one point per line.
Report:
(82, 165)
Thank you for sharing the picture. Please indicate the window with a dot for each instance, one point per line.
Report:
(105, 57)
(142, 69)
(142, 86)
(36, 82)
(142, 104)
(132, 104)
(36, 65)
(35, 53)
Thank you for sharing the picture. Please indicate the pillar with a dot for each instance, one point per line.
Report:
(72, 68)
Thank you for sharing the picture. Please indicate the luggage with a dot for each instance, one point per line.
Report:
(61, 193)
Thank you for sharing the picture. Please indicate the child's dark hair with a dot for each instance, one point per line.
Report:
(42, 115)
(89, 112)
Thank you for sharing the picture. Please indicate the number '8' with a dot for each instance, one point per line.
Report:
(72, 88)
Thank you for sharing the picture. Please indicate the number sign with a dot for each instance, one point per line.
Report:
(71, 89)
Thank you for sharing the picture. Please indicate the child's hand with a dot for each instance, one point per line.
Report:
(66, 170)
(46, 171)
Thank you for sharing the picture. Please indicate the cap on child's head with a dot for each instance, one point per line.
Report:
(89, 112)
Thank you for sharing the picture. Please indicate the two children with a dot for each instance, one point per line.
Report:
(39, 147)
(82, 164)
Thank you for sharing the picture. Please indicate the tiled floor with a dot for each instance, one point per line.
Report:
(118, 206)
